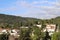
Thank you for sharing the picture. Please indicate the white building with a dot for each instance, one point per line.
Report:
(14, 32)
(4, 31)
(50, 28)
(39, 26)
(24, 27)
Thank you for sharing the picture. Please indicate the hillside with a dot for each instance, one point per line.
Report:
(17, 21)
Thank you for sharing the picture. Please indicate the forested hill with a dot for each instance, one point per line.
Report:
(18, 21)
(53, 20)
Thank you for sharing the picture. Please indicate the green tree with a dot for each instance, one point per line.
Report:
(37, 33)
(56, 36)
(4, 36)
(25, 34)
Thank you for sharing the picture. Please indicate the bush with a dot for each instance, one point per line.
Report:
(56, 36)
(4, 37)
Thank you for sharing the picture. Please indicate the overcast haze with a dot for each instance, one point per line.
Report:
(31, 8)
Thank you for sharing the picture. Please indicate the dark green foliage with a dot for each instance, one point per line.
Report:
(25, 34)
(4, 37)
(56, 36)
(16, 21)
(47, 37)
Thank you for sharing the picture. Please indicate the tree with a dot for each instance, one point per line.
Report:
(56, 36)
(47, 37)
(36, 32)
(25, 34)
(4, 36)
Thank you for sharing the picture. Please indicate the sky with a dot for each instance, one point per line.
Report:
(42, 9)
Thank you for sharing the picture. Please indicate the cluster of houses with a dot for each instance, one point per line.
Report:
(51, 28)
(13, 33)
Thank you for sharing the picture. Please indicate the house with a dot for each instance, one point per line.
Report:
(14, 35)
(39, 26)
(51, 28)
(14, 32)
(24, 27)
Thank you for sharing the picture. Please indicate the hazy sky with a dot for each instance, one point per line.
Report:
(31, 8)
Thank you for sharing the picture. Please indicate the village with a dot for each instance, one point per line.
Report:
(14, 33)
